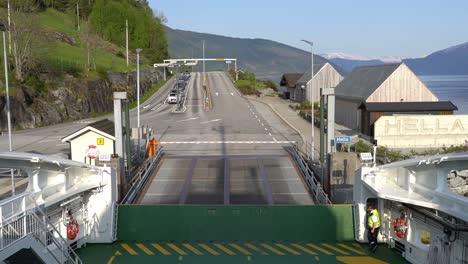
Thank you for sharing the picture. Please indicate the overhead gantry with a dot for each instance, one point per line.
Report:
(193, 62)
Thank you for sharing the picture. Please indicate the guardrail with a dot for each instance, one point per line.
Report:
(139, 181)
(25, 218)
(315, 186)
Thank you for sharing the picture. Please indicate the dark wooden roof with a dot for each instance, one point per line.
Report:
(363, 81)
(409, 106)
(290, 79)
(104, 125)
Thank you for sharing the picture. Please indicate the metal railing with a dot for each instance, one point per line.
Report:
(138, 182)
(315, 186)
(25, 219)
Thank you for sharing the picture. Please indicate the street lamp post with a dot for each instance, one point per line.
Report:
(138, 98)
(10, 145)
(311, 94)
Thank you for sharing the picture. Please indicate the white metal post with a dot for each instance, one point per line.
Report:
(235, 68)
(78, 15)
(312, 94)
(10, 145)
(9, 25)
(204, 76)
(126, 39)
(138, 98)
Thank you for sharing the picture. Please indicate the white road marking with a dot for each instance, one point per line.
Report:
(263, 124)
(158, 106)
(146, 106)
(269, 134)
(189, 119)
(232, 94)
(275, 139)
(217, 93)
(228, 142)
(266, 129)
(63, 144)
(214, 120)
(47, 140)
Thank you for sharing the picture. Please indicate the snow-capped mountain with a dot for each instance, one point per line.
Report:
(344, 56)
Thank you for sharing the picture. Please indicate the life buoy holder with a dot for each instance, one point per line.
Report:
(72, 229)
(399, 227)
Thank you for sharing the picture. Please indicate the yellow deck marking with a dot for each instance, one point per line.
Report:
(207, 248)
(161, 249)
(111, 260)
(129, 249)
(319, 249)
(272, 249)
(225, 249)
(336, 249)
(351, 249)
(359, 260)
(357, 245)
(117, 253)
(177, 249)
(288, 249)
(255, 248)
(241, 249)
(303, 249)
(145, 249)
(194, 250)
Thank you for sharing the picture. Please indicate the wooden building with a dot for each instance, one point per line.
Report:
(325, 76)
(369, 92)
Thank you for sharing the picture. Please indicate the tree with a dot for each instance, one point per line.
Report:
(21, 30)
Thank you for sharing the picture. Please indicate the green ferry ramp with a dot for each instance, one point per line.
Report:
(235, 234)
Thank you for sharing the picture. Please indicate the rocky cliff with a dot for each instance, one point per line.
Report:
(68, 98)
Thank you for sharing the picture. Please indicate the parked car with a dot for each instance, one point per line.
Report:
(172, 98)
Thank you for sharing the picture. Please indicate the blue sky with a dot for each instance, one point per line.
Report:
(410, 28)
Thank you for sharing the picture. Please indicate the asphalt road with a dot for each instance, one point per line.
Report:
(231, 154)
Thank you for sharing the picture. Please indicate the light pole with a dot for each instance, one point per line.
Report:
(311, 94)
(138, 98)
(10, 145)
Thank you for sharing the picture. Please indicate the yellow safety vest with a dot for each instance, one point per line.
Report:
(370, 223)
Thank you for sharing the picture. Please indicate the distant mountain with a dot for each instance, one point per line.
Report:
(451, 61)
(348, 61)
(268, 59)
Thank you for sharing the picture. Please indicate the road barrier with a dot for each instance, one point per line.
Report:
(140, 180)
(315, 186)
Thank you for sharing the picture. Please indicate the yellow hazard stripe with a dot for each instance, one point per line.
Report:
(335, 249)
(319, 249)
(255, 248)
(274, 250)
(225, 249)
(129, 249)
(351, 249)
(207, 248)
(145, 249)
(161, 249)
(194, 250)
(303, 249)
(177, 249)
(359, 260)
(111, 260)
(241, 249)
(288, 249)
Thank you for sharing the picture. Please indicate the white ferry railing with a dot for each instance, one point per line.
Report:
(25, 218)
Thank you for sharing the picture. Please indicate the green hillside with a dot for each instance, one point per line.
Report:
(268, 59)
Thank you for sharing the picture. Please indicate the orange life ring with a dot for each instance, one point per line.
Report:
(399, 227)
(72, 229)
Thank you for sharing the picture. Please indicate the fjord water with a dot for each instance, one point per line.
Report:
(450, 88)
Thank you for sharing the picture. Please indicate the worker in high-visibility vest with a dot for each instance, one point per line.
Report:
(373, 226)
